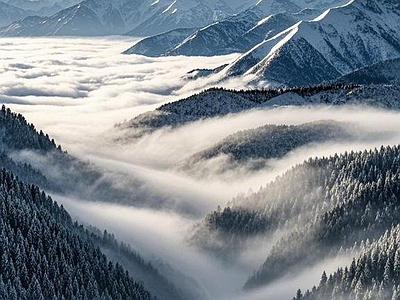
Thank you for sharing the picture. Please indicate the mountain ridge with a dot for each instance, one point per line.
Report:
(323, 49)
(125, 16)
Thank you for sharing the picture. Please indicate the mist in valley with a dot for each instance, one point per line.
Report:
(77, 89)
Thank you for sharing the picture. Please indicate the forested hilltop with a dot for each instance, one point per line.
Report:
(253, 148)
(323, 205)
(217, 102)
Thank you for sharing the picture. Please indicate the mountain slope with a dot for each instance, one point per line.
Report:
(253, 148)
(384, 72)
(44, 255)
(159, 44)
(324, 49)
(236, 34)
(374, 274)
(10, 13)
(103, 17)
(320, 206)
(220, 102)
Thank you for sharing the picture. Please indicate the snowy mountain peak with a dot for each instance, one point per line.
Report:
(337, 42)
(145, 17)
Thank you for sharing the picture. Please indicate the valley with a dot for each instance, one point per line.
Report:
(252, 154)
(82, 117)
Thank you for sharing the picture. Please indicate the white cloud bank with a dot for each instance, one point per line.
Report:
(76, 89)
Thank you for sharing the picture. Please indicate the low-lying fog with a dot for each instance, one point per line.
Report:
(76, 89)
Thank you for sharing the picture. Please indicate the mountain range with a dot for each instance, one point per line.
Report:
(337, 42)
(291, 48)
(140, 18)
(282, 43)
(15, 10)
(10, 13)
(237, 33)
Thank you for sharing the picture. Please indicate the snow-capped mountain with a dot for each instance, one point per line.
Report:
(76, 20)
(138, 17)
(337, 42)
(187, 14)
(10, 13)
(238, 33)
(90, 17)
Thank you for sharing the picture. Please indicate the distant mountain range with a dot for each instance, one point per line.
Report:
(16, 10)
(289, 48)
(104, 17)
(283, 43)
(42, 7)
(237, 33)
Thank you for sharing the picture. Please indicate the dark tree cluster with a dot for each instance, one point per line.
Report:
(157, 283)
(325, 204)
(17, 134)
(218, 102)
(373, 275)
(45, 255)
(252, 148)
(365, 202)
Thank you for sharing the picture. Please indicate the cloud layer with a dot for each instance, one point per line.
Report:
(77, 89)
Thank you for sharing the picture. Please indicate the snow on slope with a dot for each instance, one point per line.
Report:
(341, 40)
(235, 34)
(238, 33)
(76, 20)
(139, 17)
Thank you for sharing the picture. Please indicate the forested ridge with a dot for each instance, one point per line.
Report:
(217, 102)
(254, 147)
(373, 275)
(325, 204)
(18, 135)
(44, 254)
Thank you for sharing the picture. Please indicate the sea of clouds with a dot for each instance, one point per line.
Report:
(77, 89)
